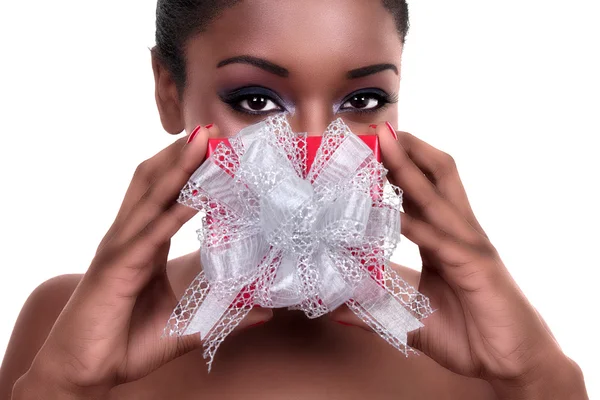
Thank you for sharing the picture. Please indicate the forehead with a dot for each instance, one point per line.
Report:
(305, 34)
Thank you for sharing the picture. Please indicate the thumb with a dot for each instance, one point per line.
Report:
(184, 344)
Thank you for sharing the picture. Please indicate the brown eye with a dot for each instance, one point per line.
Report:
(360, 101)
(363, 102)
(258, 103)
(253, 100)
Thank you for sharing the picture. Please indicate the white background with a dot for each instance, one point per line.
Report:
(510, 89)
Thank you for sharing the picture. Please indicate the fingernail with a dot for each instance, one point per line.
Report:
(194, 133)
(209, 126)
(256, 324)
(392, 130)
(373, 126)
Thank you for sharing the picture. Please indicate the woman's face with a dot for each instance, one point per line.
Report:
(318, 60)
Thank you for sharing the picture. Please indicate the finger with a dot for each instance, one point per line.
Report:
(433, 208)
(144, 176)
(161, 195)
(440, 168)
(463, 265)
(131, 260)
(345, 316)
(129, 257)
(257, 316)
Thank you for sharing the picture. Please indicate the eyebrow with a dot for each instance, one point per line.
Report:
(284, 73)
(370, 70)
(257, 62)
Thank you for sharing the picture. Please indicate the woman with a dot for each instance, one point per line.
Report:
(222, 65)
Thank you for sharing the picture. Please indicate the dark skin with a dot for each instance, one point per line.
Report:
(484, 341)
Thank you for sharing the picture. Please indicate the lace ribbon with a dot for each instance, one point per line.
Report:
(276, 235)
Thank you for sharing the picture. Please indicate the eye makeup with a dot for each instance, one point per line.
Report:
(259, 100)
(361, 101)
(253, 99)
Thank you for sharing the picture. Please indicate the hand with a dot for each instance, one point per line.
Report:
(484, 325)
(109, 332)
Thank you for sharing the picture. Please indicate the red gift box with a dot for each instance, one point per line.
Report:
(312, 146)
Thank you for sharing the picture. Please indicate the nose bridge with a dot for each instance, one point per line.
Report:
(315, 124)
(311, 118)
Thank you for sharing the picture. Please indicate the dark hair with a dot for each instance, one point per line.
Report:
(178, 20)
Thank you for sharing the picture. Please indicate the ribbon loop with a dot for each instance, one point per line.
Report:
(276, 235)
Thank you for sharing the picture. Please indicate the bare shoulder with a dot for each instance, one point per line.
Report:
(37, 316)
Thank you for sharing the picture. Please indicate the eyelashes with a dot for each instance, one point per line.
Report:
(254, 100)
(258, 100)
(366, 101)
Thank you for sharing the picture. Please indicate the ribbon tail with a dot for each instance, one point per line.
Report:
(209, 313)
(228, 320)
(202, 310)
(383, 313)
(187, 307)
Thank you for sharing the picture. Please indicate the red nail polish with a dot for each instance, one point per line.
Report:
(258, 323)
(373, 126)
(194, 133)
(209, 126)
(344, 323)
(392, 130)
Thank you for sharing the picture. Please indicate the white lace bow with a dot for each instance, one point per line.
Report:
(276, 235)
